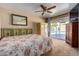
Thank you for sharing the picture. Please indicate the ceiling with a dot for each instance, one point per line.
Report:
(61, 8)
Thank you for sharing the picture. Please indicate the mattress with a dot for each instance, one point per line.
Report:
(25, 45)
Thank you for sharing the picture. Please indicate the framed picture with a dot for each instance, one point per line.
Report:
(18, 20)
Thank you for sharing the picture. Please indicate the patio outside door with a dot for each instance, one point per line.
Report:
(58, 30)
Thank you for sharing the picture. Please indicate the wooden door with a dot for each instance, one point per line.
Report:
(37, 28)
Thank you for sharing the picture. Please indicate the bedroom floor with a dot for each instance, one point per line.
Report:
(62, 49)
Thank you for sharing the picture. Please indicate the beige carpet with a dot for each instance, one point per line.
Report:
(60, 48)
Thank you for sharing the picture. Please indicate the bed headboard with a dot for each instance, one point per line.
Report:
(5, 32)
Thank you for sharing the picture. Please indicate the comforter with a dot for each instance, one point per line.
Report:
(25, 45)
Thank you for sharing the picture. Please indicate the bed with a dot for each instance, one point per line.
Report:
(24, 45)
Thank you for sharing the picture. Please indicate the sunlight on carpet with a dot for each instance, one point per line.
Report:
(61, 48)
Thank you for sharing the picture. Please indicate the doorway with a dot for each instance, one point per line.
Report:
(58, 30)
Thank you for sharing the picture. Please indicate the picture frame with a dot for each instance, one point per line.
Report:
(18, 20)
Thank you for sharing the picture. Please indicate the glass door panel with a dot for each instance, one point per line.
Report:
(58, 30)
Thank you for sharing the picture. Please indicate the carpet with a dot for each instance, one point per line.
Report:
(61, 48)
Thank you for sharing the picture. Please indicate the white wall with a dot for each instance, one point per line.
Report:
(5, 18)
(0, 26)
(44, 29)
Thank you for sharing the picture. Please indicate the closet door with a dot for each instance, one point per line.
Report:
(69, 33)
(72, 34)
(75, 34)
(37, 28)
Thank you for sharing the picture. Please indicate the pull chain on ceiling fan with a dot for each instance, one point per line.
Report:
(45, 9)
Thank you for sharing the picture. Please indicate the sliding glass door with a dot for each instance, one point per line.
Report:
(58, 30)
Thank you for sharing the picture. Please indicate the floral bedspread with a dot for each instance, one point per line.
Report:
(25, 45)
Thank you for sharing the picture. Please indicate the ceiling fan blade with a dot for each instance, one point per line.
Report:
(51, 7)
(49, 11)
(38, 11)
(43, 13)
(43, 7)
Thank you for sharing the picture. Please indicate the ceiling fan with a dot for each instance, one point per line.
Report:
(45, 9)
